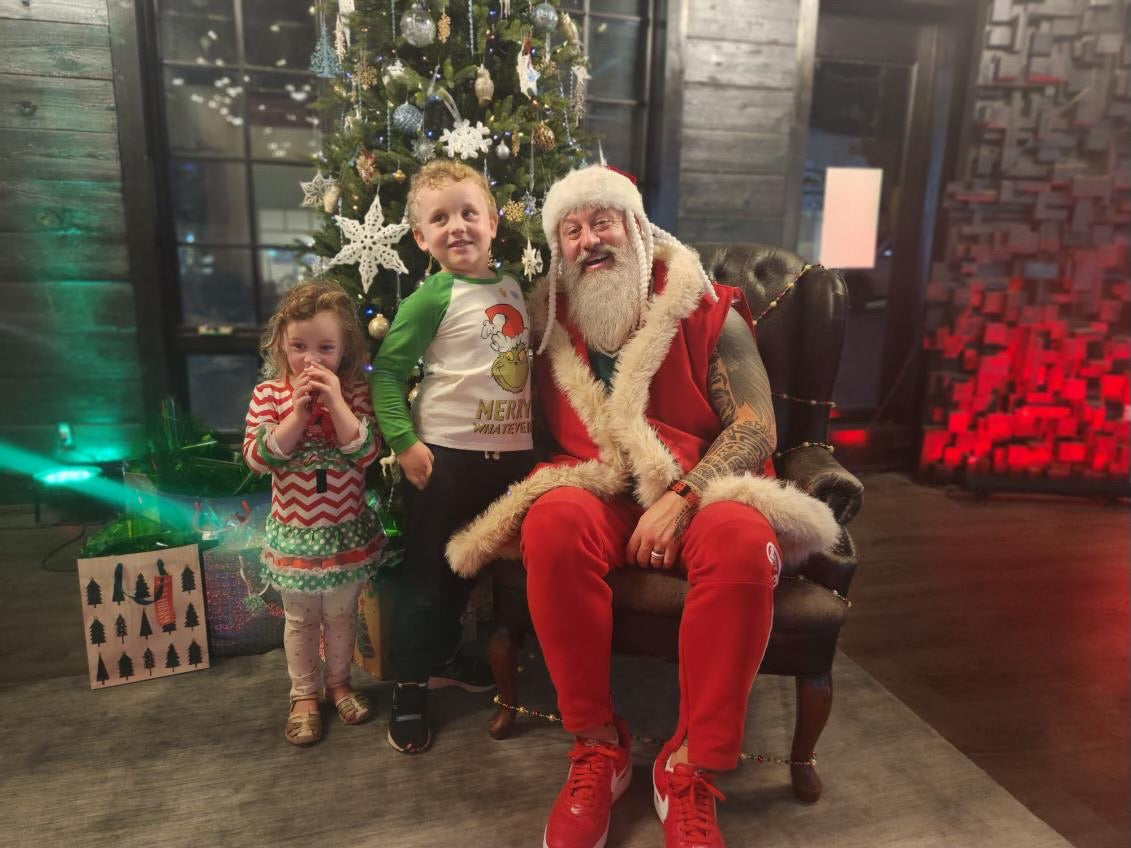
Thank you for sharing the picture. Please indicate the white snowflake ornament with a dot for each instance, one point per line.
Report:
(314, 190)
(531, 261)
(371, 244)
(466, 141)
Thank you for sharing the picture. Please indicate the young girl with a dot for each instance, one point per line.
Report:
(310, 424)
(467, 437)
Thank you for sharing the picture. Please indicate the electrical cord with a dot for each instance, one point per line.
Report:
(77, 538)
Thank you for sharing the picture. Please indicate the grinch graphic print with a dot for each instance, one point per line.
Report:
(475, 391)
(509, 337)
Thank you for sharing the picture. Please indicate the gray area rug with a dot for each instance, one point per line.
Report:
(199, 760)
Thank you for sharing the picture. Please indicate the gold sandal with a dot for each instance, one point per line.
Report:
(303, 728)
(354, 708)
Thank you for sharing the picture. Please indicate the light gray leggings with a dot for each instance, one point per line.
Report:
(330, 615)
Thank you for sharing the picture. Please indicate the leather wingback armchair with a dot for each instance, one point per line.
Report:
(800, 328)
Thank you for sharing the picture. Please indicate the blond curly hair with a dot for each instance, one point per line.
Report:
(436, 173)
(302, 303)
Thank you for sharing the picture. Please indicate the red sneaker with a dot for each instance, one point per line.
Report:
(598, 776)
(685, 802)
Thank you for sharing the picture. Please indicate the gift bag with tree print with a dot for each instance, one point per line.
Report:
(143, 615)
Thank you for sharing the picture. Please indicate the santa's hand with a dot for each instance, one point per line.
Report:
(416, 463)
(658, 535)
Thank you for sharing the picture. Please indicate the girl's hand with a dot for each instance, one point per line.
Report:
(303, 396)
(326, 383)
(416, 462)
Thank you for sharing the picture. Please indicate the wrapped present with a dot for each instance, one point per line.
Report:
(144, 615)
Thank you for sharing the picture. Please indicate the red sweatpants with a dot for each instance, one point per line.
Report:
(571, 538)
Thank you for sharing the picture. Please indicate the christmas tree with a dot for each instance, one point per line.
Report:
(498, 86)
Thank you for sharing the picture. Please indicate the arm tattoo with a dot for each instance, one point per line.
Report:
(739, 392)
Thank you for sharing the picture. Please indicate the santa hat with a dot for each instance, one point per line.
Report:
(511, 319)
(602, 187)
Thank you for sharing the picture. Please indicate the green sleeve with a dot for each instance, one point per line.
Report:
(411, 332)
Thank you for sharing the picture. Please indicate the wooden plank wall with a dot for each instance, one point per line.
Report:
(68, 350)
(740, 86)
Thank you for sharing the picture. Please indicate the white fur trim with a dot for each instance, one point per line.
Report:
(803, 524)
(480, 541)
(652, 464)
(591, 187)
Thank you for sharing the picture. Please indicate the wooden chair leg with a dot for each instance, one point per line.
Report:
(503, 655)
(814, 702)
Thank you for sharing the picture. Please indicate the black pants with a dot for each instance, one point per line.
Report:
(430, 597)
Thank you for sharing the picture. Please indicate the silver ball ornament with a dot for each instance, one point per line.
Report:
(378, 326)
(407, 119)
(417, 26)
(502, 151)
(544, 17)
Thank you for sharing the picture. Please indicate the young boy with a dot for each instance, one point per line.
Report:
(468, 436)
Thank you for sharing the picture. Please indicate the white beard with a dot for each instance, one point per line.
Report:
(604, 304)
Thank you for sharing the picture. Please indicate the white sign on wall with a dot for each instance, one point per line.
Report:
(851, 217)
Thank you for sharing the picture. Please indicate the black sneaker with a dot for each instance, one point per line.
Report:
(408, 725)
(468, 673)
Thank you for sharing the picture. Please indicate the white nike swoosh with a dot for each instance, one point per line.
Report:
(660, 803)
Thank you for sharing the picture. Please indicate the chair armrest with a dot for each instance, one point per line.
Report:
(815, 471)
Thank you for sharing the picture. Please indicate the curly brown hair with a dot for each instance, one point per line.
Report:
(440, 172)
(302, 303)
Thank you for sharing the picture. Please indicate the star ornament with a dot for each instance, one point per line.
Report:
(466, 141)
(314, 190)
(371, 244)
(527, 76)
(531, 261)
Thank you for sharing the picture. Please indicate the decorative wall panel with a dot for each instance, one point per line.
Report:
(1028, 318)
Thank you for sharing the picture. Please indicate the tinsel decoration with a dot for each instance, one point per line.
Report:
(341, 38)
(543, 137)
(579, 86)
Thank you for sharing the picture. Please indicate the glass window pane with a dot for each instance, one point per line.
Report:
(282, 123)
(200, 31)
(280, 33)
(216, 286)
(639, 8)
(279, 272)
(616, 57)
(574, 7)
(279, 216)
(204, 110)
(210, 201)
(220, 388)
(619, 128)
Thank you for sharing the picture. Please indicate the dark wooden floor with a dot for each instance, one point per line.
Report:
(1004, 625)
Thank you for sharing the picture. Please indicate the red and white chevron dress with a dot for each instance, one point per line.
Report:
(320, 534)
